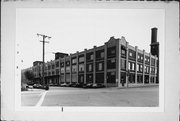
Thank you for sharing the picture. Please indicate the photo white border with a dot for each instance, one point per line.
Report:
(27, 111)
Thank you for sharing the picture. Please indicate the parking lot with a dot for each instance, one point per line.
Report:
(70, 96)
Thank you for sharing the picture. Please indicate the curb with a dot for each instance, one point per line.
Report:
(138, 86)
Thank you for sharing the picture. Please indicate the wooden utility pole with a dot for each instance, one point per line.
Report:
(43, 41)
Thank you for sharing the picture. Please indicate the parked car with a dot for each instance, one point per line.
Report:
(64, 85)
(72, 85)
(30, 86)
(80, 85)
(89, 85)
(46, 87)
(37, 86)
(98, 85)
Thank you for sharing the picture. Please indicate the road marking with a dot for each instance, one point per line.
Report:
(41, 99)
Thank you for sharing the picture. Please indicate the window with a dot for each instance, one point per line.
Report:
(129, 65)
(130, 54)
(111, 64)
(68, 69)
(74, 68)
(57, 71)
(102, 54)
(147, 70)
(57, 64)
(123, 64)
(137, 67)
(81, 59)
(155, 70)
(152, 61)
(52, 66)
(111, 51)
(152, 70)
(113, 60)
(74, 60)
(62, 70)
(46, 68)
(91, 57)
(81, 67)
(123, 52)
(100, 67)
(141, 68)
(49, 67)
(67, 63)
(133, 66)
(90, 67)
(138, 57)
(99, 54)
(62, 64)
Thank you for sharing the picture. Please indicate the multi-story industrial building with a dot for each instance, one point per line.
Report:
(116, 63)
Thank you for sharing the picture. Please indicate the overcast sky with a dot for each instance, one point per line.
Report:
(76, 29)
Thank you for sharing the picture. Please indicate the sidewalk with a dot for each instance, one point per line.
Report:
(138, 86)
(32, 91)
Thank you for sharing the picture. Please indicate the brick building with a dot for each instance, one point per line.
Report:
(116, 63)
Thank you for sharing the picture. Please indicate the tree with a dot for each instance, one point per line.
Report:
(29, 75)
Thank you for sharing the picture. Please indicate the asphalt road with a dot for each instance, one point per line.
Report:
(66, 96)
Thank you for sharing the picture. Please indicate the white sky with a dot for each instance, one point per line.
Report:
(76, 29)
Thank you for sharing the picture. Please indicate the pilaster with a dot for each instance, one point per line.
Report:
(85, 51)
(94, 65)
(149, 67)
(143, 65)
(136, 48)
(77, 66)
(127, 63)
(105, 64)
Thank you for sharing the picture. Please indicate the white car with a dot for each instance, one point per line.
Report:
(30, 87)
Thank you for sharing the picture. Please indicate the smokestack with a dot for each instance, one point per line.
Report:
(153, 35)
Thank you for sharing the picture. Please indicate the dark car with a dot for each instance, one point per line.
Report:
(72, 85)
(80, 85)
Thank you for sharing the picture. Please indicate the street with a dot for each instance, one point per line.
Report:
(69, 96)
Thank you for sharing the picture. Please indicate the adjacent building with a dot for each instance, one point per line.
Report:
(116, 63)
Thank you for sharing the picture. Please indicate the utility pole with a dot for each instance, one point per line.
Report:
(43, 41)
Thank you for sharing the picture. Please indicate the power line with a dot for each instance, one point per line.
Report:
(43, 41)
